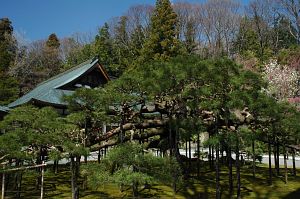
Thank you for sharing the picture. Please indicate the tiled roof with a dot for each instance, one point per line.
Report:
(49, 91)
(4, 109)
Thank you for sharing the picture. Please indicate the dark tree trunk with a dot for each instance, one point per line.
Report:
(285, 165)
(230, 171)
(74, 177)
(8, 177)
(16, 176)
(19, 185)
(99, 155)
(210, 153)
(190, 155)
(278, 153)
(294, 163)
(42, 180)
(198, 158)
(176, 153)
(55, 166)
(3, 184)
(186, 148)
(209, 157)
(122, 129)
(270, 163)
(170, 137)
(135, 190)
(222, 155)
(39, 160)
(218, 189)
(212, 156)
(186, 155)
(254, 157)
(84, 183)
(275, 158)
(238, 174)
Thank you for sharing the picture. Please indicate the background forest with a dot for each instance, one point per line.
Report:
(178, 70)
(251, 35)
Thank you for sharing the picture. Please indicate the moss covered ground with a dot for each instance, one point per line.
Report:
(58, 186)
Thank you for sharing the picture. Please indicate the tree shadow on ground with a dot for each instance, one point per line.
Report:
(191, 192)
(293, 195)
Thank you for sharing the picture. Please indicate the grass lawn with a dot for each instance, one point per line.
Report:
(58, 186)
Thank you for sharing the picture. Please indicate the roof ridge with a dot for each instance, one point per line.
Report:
(67, 71)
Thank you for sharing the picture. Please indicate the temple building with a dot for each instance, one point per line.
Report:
(89, 74)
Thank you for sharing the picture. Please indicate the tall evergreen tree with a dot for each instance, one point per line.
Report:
(137, 41)
(7, 46)
(104, 48)
(121, 45)
(8, 89)
(52, 60)
(162, 42)
(53, 41)
(190, 38)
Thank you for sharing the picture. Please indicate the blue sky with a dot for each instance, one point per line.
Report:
(37, 19)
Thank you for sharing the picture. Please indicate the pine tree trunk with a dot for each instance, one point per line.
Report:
(3, 184)
(74, 177)
(186, 155)
(254, 157)
(294, 163)
(135, 190)
(56, 166)
(270, 163)
(222, 155)
(212, 156)
(198, 158)
(230, 171)
(99, 156)
(16, 177)
(190, 155)
(209, 156)
(218, 191)
(170, 137)
(84, 183)
(186, 149)
(19, 185)
(238, 174)
(277, 159)
(278, 153)
(285, 165)
(42, 181)
(39, 161)
(8, 177)
(209, 153)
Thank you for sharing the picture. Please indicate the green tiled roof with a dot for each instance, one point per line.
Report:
(4, 109)
(49, 92)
